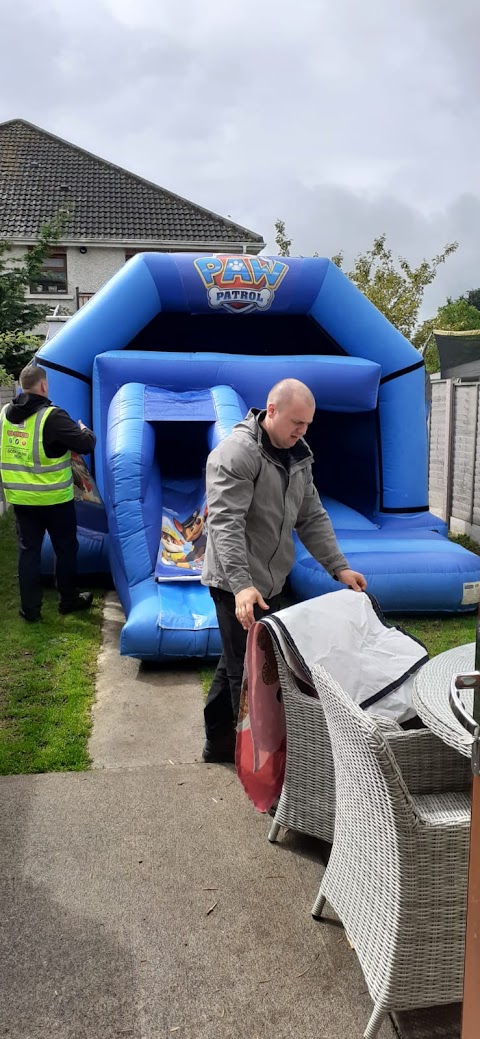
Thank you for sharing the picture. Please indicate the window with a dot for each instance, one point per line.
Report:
(53, 277)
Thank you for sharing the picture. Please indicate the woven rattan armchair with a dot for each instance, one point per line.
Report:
(397, 873)
(307, 800)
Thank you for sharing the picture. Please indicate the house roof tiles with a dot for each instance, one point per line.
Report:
(40, 173)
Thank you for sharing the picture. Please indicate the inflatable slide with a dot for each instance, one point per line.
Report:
(163, 362)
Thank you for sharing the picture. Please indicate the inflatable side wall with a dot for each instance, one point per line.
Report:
(220, 325)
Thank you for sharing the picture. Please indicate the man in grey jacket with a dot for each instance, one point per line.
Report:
(259, 490)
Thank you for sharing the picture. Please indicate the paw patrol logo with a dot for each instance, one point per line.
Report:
(240, 283)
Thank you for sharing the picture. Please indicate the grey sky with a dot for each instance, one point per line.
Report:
(344, 119)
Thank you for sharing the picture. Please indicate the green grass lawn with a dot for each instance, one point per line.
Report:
(47, 670)
(436, 633)
(441, 633)
(47, 676)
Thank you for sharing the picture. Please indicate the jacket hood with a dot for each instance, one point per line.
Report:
(24, 405)
(251, 426)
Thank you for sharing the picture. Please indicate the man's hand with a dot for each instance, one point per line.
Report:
(81, 424)
(244, 603)
(352, 579)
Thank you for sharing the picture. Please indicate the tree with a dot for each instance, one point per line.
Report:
(5, 378)
(281, 239)
(394, 286)
(457, 315)
(16, 351)
(17, 316)
(473, 297)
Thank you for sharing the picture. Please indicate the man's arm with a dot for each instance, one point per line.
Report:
(315, 530)
(230, 487)
(61, 429)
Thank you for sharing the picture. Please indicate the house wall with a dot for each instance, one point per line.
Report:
(91, 270)
(88, 272)
(85, 271)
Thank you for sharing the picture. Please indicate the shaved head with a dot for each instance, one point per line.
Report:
(290, 410)
(287, 390)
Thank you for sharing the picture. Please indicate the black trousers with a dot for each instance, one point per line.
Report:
(61, 523)
(223, 700)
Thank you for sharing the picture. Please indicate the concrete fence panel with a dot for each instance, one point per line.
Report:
(454, 454)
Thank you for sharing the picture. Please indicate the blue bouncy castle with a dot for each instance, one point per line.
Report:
(169, 355)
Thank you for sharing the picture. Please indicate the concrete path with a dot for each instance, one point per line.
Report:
(143, 900)
(143, 716)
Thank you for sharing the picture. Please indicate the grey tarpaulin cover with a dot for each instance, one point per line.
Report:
(345, 631)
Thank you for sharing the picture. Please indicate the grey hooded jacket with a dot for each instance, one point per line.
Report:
(254, 505)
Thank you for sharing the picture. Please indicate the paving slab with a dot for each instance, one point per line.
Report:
(142, 715)
(434, 1023)
(149, 903)
(143, 900)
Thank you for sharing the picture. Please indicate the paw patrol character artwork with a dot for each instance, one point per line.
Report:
(182, 544)
(172, 548)
(84, 486)
(194, 532)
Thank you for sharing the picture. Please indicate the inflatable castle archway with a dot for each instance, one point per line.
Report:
(169, 355)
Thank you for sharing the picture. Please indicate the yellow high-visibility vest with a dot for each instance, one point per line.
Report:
(28, 476)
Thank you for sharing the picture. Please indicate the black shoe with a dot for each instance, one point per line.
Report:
(219, 751)
(82, 601)
(30, 615)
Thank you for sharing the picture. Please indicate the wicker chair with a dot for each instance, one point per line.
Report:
(397, 873)
(307, 800)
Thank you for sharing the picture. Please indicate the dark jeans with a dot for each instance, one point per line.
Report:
(223, 700)
(61, 523)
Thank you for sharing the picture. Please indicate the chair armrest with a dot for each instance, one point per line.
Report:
(387, 725)
(428, 765)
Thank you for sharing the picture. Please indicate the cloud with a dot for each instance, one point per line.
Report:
(345, 120)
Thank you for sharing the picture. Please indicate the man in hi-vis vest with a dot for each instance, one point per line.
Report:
(36, 473)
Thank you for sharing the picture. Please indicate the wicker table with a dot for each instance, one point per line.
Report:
(430, 696)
